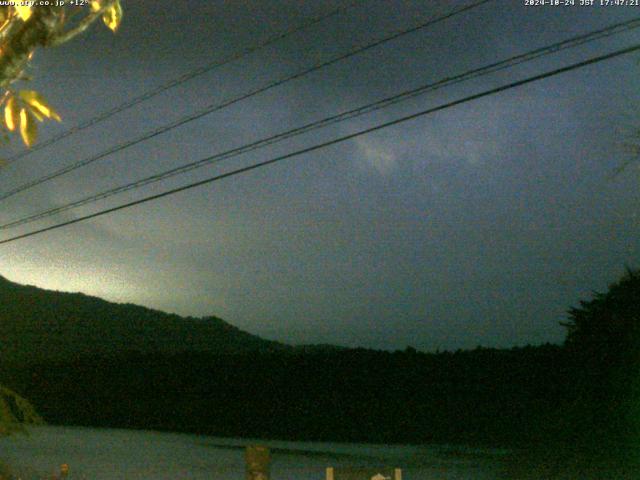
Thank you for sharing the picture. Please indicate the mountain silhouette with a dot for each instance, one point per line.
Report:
(38, 324)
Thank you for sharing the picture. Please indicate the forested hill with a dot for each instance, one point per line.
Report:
(128, 366)
(41, 325)
(483, 395)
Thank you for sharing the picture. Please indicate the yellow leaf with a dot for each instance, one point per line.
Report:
(113, 16)
(11, 113)
(28, 128)
(23, 12)
(38, 104)
(95, 5)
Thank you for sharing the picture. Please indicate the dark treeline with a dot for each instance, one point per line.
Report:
(584, 390)
(484, 395)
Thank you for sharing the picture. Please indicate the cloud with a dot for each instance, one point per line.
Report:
(377, 154)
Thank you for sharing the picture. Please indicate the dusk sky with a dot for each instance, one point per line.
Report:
(477, 225)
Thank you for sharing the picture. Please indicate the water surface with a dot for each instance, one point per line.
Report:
(99, 454)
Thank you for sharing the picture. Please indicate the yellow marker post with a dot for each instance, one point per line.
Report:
(257, 458)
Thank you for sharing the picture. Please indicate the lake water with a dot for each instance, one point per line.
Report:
(98, 454)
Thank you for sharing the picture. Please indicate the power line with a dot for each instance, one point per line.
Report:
(182, 79)
(386, 102)
(216, 107)
(334, 141)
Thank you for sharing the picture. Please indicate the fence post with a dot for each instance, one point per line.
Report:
(257, 458)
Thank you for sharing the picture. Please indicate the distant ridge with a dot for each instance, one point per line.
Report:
(38, 324)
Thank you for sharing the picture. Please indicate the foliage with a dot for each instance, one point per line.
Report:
(15, 412)
(23, 29)
(604, 340)
(491, 396)
(608, 326)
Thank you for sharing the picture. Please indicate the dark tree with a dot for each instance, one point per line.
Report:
(604, 341)
(608, 326)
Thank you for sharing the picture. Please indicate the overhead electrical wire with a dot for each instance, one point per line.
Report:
(386, 102)
(334, 141)
(219, 106)
(182, 79)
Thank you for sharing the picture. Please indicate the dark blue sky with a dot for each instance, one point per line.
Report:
(481, 224)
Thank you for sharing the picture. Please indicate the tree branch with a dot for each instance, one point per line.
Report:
(82, 25)
(37, 31)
